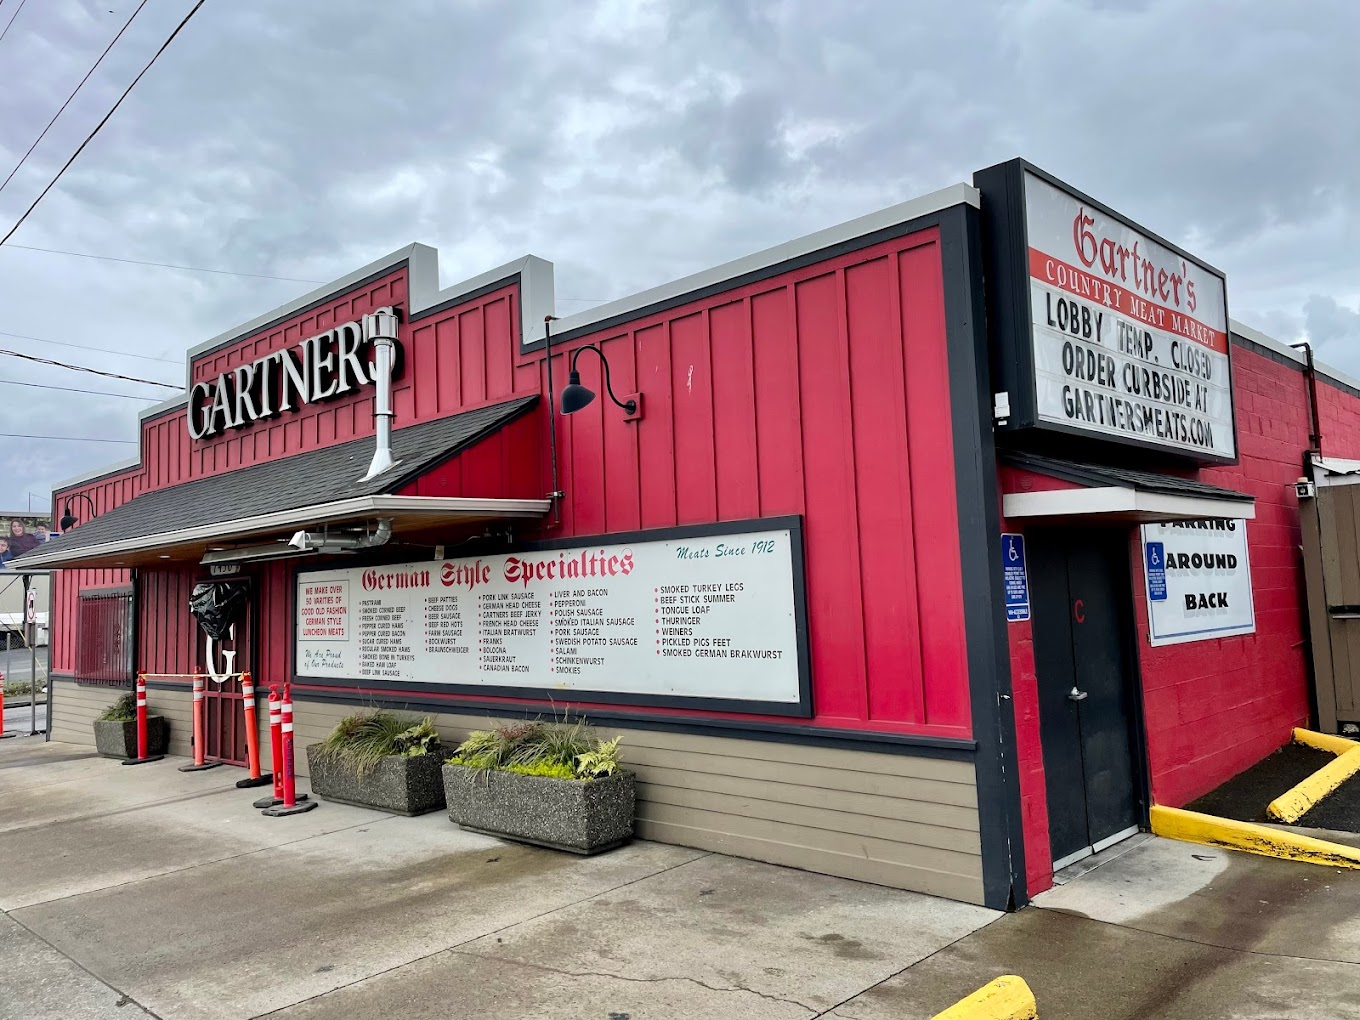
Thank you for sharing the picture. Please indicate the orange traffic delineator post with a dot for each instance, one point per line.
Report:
(291, 805)
(276, 749)
(3, 734)
(142, 757)
(252, 738)
(200, 687)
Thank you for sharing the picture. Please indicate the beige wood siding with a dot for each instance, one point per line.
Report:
(893, 819)
(75, 708)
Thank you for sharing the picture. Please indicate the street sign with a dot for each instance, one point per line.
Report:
(31, 606)
(1015, 578)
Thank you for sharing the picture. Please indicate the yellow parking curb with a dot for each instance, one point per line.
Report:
(1006, 998)
(1294, 803)
(1324, 741)
(1193, 827)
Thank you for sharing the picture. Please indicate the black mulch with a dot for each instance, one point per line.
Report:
(1340, 809)
(1246, 795)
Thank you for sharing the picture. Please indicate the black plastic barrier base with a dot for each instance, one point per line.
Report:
(142, 761)
(200, 768)
(279, 811)
(265, 802)
(247, 784)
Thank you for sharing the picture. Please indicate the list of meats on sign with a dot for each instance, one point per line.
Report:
(707, 617)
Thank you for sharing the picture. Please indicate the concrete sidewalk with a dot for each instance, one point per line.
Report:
(145, 889)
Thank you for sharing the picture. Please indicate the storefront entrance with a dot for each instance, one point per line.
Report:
(1082, 651)
(224, 721)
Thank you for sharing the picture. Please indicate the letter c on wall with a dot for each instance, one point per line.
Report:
(1079, 610)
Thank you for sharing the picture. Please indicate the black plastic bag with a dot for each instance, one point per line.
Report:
(218, 606)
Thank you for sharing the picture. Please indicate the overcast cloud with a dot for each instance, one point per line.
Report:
(628, 142)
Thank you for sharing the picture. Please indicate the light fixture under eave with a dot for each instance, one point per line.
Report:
(253, 553)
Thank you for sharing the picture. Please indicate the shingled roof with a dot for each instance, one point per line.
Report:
(305, 479)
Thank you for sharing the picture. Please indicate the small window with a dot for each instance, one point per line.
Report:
(104, 652)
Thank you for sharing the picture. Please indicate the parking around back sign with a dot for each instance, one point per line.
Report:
(1016, 580)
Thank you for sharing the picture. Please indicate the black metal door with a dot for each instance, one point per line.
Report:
(1080, 582)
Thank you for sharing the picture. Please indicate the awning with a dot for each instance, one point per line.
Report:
(1118, 494)
(315, 490)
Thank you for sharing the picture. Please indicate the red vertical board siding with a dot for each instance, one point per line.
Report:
(778, 405)
(586, 489)
(499, 381)
(734, 414)
(696, 487)
(883, 493)
(939, 570)
(425, 382)
(835, 608)
(471, 357)
(622, 506)
(656, 434)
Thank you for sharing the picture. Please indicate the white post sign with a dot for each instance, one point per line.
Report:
(1198, 580)
(710, 617)
(1130, 338)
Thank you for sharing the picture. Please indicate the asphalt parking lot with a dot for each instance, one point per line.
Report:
(146, 891)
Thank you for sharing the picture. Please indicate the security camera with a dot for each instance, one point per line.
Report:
(302, 541)
(1304, 489)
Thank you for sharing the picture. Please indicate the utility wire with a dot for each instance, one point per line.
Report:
(72, 96)
(83, 347)
(73, 389)
(68, 439)
(161, 265)
(114, 109)
(85, 368)
(11, 18)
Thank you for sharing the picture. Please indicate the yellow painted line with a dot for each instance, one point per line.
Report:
(1006, 998)
(1294, 803)
(1193, 827)
(1324, 741)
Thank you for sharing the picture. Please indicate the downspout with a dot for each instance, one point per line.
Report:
(556, 494)
(1314, 421)
(380, 330)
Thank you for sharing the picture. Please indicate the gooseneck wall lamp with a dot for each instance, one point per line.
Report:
(68, 520)
(575, 396)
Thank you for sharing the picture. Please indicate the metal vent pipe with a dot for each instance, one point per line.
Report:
(380, 330)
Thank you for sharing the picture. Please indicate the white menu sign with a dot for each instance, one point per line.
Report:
(1130, 338)
(1197, 576)
(707, 617)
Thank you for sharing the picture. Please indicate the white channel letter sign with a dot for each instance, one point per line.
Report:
(1130, 337)
(1197, 576)
(319, 368)
(709, 617)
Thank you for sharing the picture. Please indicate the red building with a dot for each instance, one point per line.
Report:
(868, 560)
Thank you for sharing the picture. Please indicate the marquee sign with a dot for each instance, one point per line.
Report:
(320, 368)
(709, 616)
(1103, 329)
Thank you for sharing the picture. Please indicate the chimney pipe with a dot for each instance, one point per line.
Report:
(380, 329)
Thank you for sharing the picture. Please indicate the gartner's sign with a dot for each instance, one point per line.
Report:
(319, 368)
(1104, 329)
(1197, 577)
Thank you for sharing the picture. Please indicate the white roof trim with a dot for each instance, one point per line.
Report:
(1119, 500)
(1294, 355)
(320, 513)
(903, 212)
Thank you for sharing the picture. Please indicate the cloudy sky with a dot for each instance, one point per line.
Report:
(630, 142)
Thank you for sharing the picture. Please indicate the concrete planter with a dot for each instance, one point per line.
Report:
(119, 739)
(402, 785)
(583, 817)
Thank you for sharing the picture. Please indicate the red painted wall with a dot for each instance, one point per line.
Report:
(822, 392)
(1213, 708)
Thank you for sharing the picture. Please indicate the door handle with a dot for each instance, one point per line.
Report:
(1076, 695)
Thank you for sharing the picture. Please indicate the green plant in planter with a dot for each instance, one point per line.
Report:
(364, 739)
(122, 710)
(557, 751)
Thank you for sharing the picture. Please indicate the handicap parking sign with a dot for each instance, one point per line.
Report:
(1016, 580)
(1156, 571)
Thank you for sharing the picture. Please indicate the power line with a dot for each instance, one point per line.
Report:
(11, 19)
(83, 347)
(160, 265)
(72, 96)
(114, 109)
(73, 389)
(85, 368)
(67, 439)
